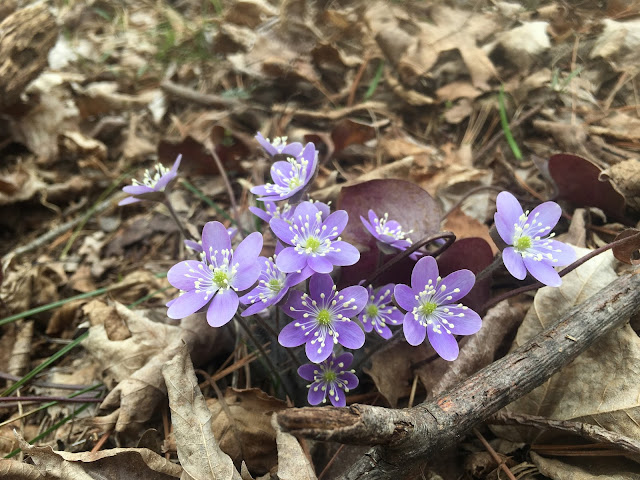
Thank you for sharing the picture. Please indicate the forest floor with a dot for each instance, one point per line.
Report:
(423, 110)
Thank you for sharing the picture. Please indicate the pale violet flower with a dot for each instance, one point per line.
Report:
(155, 180)
(330, 377)
(215, 279)
(290, 176)
(322, 318)
(529, 238)
(313, 242)
(380, 312)
(432, 308)
(279, 145)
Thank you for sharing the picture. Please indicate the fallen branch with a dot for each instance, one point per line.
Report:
(406, 437)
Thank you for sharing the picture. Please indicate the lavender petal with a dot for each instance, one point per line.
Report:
(214, 237)
(308, 371)
(444, 344)
(282, 230)
(425, 269)
(292, 336)
(413, 331)
(348, 254)
(320, 284)
(187, 303)
(223, 307)
(469, 324)
(184, 274)
(405, 297)
(290, 261)
(350, 335)
(544, 217)
(514, 263)
(319, 264)
(316, 394)
(543, 272)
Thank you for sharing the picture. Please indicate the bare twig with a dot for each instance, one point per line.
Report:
(205, 99)
(585, 430)
(494, 455)
(405, 437)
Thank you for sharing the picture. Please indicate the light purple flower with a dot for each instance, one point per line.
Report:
(322, 318)
(431, 307)
(290, 176)
(216, 278)
(272, 286)
(197, 246)
(387, 231)
(330, 377)
(279, 145)
(529, 236)
(379, 311)
(155, 180)
(271, 210)
(314, 242)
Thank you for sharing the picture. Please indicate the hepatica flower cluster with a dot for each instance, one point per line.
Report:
(227, 281)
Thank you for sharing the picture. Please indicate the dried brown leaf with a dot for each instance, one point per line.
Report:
(138, 463)
(135, 363)
(628, 251)
(248, 435)
(293, 464)
(21, 471)
(199, 453)
(596, 468)
(600, 385)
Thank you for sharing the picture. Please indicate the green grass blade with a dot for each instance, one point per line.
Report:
(505, 126)
(375, 82)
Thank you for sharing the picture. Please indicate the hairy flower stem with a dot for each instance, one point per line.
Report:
(495, 265)
(167, 203)
(448, 236)
(257, 344)
(562, 273)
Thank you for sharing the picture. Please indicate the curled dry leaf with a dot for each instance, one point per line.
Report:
(20, 471)
(199, 453)
(616, 468)
(600, 386)
(248, 434)
(135, 363)
(293, 464)
(626, 176)
(138, 463)
(628, 251)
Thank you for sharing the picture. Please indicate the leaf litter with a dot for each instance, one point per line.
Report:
(402, 101)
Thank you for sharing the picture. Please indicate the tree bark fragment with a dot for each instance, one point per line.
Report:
(406, 437)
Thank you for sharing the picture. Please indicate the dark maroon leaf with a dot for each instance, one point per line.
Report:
(577, 180)
(473, 254)
(405, 202)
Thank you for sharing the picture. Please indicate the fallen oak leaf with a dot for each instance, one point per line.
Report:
(134, 365)
(199, 453)
(293, 464)
(627, 252)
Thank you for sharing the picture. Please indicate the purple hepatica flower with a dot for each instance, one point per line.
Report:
(387, 232)
(322, 318)
(272, 211)
(332, 377)
(279, 145)
(272, 286)
(431, 309)
(314, 241)
(379, 311)
(290, 177)
(216, 277)
(197, 246)
(529, 236)
(153, 181)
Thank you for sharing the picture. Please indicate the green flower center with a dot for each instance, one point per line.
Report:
(324, 317)
(312, 244)
(428, 308)
(274, 285)
(523, 243)
(220, 278)
(372, 311)
(330, 376)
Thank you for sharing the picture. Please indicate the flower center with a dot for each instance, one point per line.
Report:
(220, 278)
(275, 285)
(329, 376)
(151, 177)
(324, 317)
(312, 244)
(428, 308)
(372, 311)
(523, 243)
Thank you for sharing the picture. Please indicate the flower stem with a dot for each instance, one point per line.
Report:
(167, 203)
(449, 236)
(497, 263)
(562, 272)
